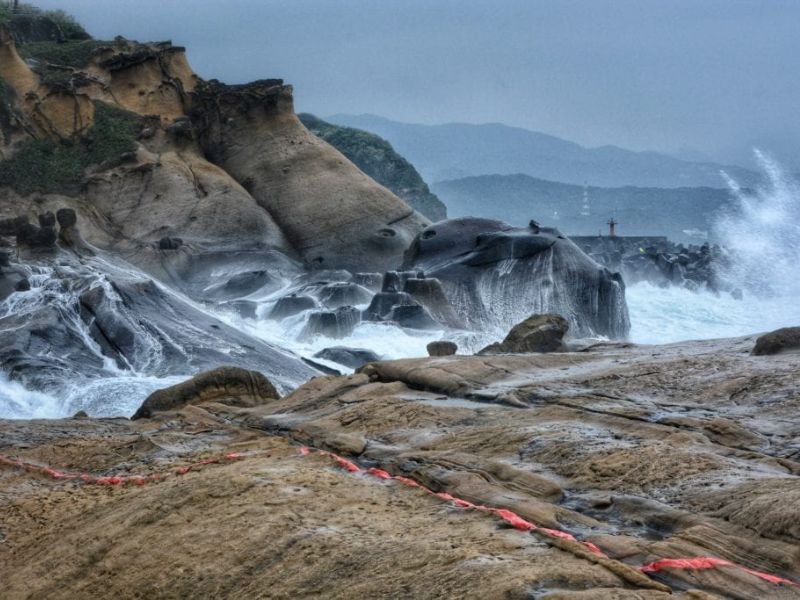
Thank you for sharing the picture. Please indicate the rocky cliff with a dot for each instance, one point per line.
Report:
(143, 149)
(376, 157)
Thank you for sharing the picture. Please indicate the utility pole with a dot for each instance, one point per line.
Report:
(585, 209)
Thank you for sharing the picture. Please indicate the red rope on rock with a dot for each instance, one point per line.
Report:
(112, 480)
(517, 522)
(509, 516)
(708, 562)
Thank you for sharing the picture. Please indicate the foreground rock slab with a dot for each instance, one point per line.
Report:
(649, 453)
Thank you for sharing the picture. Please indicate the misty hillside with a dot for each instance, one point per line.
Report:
(517, 199)
(456, 150)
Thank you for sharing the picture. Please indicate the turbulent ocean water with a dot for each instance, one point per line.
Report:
(762, 232)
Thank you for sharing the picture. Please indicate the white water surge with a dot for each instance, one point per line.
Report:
(762, 233)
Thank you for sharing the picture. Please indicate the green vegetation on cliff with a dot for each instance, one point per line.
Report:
(74, 54)
(27, 15)
(376, 157)
(46, 166)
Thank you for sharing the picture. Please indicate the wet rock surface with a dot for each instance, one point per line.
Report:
(648, 452)
(349, 357)
(495, 275)
(660, 261)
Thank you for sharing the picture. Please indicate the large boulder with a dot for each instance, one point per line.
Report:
(292, 304)
(537, 333)
(336, 324)
(228, 385)
(349, 357)
(343, 293)
(429, 292)
(778, 342)
(495, 275)
(442, 348)
(42, 237)
(332, 213)
(383, 303)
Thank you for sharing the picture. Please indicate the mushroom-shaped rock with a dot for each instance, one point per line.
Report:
(442, 348)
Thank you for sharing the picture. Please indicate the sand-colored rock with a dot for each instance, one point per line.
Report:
(64, 116)
(12, 68)
(592, 445)
(183, 195)
(333, 214)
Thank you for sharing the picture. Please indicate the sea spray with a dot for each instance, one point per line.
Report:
(761, 234)
(761, 231)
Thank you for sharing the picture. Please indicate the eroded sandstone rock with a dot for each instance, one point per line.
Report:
(537, 333)
(229, 385)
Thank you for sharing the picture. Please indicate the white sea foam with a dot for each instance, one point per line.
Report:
(673, 314)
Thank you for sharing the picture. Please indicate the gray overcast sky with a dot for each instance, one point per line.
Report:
(718, 76)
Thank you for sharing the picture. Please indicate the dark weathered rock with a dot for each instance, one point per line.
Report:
(495, 275)
(442, 348)
(23, 285)
(538, 333)
(181, 129)
(395, 281)
(779, 341)
(335, 324)
(228, 385)
(349, 357)
(429, 292)
(371, 281)
(66, 217)
(413, 316)
(383, 302)
(47, 219)
(243, 284)
(291, 305)
(334, 295)
(8, 226)
(33, 237)
(169, 243)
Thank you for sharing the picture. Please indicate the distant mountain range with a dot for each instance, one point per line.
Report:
(457, 150)
(679, 213)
